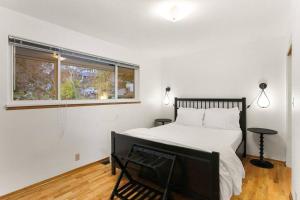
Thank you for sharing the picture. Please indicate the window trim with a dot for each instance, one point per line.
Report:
(36, 104)
(18, 41)
(68, 105)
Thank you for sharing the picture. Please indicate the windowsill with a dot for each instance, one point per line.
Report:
(27, 106)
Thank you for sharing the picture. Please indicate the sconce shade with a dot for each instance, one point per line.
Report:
(263, 100)
(167, 98)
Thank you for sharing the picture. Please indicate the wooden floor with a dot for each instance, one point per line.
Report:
(266, 184)
(95, 182)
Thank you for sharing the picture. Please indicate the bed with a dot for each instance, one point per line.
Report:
(207, 165)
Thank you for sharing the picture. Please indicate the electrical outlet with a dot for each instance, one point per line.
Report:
(77, 156)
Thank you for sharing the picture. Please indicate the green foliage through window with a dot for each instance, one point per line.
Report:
(82, 80)
(36, 76)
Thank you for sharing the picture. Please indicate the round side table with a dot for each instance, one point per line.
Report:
(162, 121)
(261, 162)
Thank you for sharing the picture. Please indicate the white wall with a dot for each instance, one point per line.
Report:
(235, 71)
(289, 111)
(296, 96)
(38, 144)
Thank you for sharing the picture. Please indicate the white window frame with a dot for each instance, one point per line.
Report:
(21, 103)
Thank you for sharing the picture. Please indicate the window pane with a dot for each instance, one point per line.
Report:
(35, 75)
(125, 83)
(81, 79)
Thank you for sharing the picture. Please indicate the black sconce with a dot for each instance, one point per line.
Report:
(262, 100)
(167, 98)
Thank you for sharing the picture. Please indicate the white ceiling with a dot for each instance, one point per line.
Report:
(134, 23)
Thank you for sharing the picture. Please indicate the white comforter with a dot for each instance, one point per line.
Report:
(231, 168)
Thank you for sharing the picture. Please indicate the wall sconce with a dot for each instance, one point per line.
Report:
(167, 98)
(262, 100)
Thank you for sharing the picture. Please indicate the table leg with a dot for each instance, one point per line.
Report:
(261, 162)
(261, 152)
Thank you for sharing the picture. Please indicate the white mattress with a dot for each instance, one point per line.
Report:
(223, 141)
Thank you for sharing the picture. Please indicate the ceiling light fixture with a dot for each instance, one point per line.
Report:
(174, 10)
(174, 13)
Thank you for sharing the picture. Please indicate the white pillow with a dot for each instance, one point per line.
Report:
(222, 118)
(190, 116)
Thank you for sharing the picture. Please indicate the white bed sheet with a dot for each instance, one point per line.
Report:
(206, 139)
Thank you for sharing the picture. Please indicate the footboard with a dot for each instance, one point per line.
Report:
(196, 173)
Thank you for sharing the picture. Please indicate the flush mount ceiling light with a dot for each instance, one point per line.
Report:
(174, 10)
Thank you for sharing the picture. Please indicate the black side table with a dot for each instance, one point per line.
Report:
(162, 121)
(261, 162)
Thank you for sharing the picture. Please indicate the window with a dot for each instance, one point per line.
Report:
(86, 80)
(125, 82)
(51, 74)
(35, 75)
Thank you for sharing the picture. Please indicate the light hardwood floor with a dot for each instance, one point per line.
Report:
(95, 182)
(266, 184)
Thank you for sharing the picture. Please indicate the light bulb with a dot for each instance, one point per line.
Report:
(167, 99)
(263, 100)
(174, 13)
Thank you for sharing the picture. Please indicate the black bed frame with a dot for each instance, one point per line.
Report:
(196, 173)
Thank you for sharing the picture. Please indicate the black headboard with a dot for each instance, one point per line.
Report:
(215, 103)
